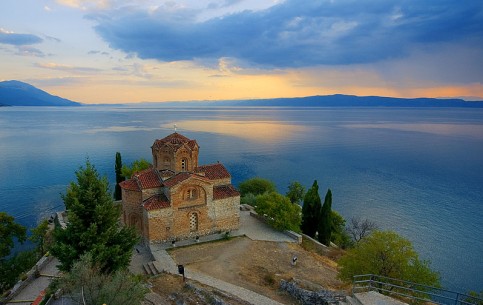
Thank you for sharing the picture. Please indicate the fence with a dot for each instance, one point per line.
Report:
(412, 292)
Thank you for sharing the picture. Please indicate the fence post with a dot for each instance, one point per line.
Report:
(456, 300)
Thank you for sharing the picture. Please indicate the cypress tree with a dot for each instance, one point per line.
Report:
(324, 226)
(311, 210)
(119, 177)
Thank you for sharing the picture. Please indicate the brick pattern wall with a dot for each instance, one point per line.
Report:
(132, 210)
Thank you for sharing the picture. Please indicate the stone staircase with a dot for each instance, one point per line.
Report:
(371, 298)
(151, 269)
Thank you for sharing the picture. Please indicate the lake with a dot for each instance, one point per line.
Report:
(416, 171)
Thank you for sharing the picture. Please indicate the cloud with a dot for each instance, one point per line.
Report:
(12, 38)
(29, 51)
(293, 35)
(62, 67)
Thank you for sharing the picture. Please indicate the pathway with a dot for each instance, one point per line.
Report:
(28, 294)
(249, 226)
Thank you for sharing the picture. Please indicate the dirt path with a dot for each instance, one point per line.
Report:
(259, 265)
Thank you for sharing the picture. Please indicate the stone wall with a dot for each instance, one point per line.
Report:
(307, 297)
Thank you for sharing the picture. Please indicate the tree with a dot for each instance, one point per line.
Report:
(136, 166)
(296, 192)
(358, 228)
(311, 210)
(474, 298)
(387, 254)
(339, 234)
(93, 225)
(9, 230)
(325, 223)
(279, 211)
(119, 177)
(40, 236)
(256, 186)
(87, 284)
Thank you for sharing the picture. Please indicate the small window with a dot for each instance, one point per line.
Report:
(184, 164)
(193, 222)
(191, 194)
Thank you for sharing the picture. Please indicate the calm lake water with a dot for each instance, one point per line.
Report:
(416, 171)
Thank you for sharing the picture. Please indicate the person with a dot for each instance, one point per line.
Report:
(294, 260)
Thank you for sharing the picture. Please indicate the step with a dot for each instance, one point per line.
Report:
(153, 268)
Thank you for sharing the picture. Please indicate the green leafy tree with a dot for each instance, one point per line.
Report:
(93, 225)
(87, 284)
(386, 253)
(295, 192)
(474, 298)
(256, 186)
(136, 166)
(119, 177)
(249, 199)
(325, 222)
(9, 230)
(40, 236)
(280, 213)
(13, 267)
(339, 234)
(311, 210)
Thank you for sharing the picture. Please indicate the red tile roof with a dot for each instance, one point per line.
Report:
(213, 171)
(130, 184)
(148, 178)
(224, 191)
(175, 140)
(156, 202)
(177, 179)
(180, 177)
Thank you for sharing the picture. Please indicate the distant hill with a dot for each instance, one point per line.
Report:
(336, 100)
(339, 100)
(15, 93)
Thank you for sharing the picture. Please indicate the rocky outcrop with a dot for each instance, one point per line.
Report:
(307, 297)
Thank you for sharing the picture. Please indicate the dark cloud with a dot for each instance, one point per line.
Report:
(18, 39)
(296, 34)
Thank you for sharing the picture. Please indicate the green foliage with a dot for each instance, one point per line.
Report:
(249, 199)
(9, 230)
(119, 177)
(256, 186)
(311, 211)
(12, 268)
(93, 225)
(40, 236)
(295, 192)
(325, 223)
(339, 234)
(475, 298)
(386, 253)
(281, 214)
(136, 166)
(87, 284)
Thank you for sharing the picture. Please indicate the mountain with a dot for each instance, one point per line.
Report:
(340, 100)
(15, 93)
(336, 100)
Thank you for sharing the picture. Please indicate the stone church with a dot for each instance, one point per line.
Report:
(177, 198)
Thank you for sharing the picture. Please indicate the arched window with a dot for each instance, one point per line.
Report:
(184, 164)
(193, 222)
(191, 194)
(166, 161)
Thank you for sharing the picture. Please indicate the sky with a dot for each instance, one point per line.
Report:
(121, 51)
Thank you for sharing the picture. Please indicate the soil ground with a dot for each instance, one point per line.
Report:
(260, 265)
